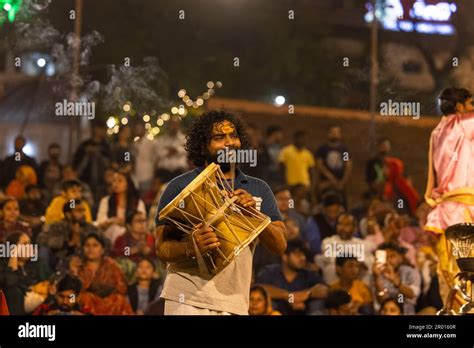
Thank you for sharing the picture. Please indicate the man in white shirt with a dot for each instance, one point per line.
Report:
(171, 155)
(343, 244)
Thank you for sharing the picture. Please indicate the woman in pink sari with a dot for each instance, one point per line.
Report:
(450, 187)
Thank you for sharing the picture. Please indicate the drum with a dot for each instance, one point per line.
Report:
(206, 200)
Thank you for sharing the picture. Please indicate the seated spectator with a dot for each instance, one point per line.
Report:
(394, 223)
(292, 229)
(260, 302)
(361, 210)
(133, 245)
(137, 242)
(390, 306)
(374, 233)
(50, 170)
(263, 257)
(302, 198)
(146, 289)
(323, 224)
(71, 192)
(66, 299)
(121, 150)
(395, 279)
(33, 208)
(113, 209)
(294, 289)
(348, 270)
(414, 234)
(377, 212)
(64, 238)
(24, 176)
(104, 288)
(20, 274)
(16, 160)
(339, 302)
(10, 219)
(344, 244)
(69, 174)
(286, 205)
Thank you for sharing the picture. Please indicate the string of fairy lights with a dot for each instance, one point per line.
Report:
(154, 121)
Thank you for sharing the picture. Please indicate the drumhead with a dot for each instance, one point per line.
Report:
(193, 185)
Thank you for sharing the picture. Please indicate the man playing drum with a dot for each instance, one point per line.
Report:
(186, 291)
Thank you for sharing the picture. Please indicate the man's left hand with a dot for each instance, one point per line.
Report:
(245, 199)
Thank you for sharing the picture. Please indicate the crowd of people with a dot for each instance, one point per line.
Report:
(93, 223)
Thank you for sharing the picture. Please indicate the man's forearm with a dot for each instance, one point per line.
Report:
(319, 291)
(347, 171)
(276, 293)
(273, 237)
(169, 249)
(326, 172)
(406, 291)
(173, 251)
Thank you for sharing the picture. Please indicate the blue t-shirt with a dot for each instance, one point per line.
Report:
(228, 291)
(273, 275)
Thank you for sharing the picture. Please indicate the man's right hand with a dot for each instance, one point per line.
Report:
(205, 238)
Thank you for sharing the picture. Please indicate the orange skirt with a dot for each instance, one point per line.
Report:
(115, 304)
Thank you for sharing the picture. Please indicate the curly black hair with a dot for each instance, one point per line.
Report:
(198, 135)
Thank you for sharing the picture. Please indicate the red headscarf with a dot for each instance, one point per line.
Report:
(397, 182)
